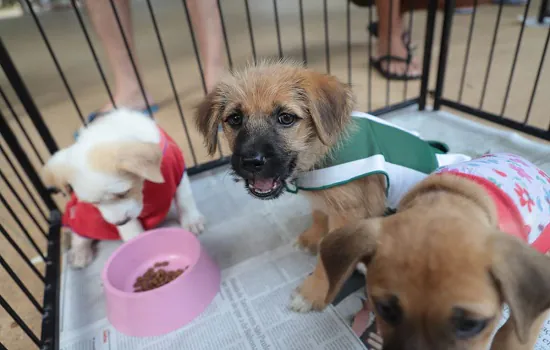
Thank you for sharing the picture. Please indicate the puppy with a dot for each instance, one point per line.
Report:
(293, 128)
(123, 173)
(463, 242)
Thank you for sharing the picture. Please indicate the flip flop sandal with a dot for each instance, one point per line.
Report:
(464, 10)
(363, 3)
(510, 2)
(152, 108)
(405, 37)
(371, 339)
(377, 64)
(364, 326)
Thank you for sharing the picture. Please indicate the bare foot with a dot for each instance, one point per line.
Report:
(413, 69)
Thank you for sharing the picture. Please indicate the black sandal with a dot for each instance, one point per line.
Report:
(364, 326)
(377, 64)
(405, 36)
(371, 339)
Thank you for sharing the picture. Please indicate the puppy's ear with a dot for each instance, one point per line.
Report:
(58, 171)
(208, 116)
(342, 249)
(142, 159)
(138, 158)
(523, 277)
(330, 106)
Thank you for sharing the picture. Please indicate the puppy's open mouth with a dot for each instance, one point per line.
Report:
(265, 188)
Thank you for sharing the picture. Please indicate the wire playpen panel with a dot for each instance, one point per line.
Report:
(54, 73)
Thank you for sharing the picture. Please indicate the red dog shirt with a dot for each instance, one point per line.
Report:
(520, 191)
(86, 220)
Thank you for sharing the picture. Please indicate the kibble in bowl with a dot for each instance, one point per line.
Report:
(156, 277)
(158, 282)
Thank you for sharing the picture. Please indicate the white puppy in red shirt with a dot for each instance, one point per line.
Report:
(123, 173)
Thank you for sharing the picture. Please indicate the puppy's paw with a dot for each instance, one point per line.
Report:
(299, 304)
(302, 246)
(80, 257)
(193, 221)
(309, 296)
(308, 242)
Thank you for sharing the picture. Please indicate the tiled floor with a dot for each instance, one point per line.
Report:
(23, 41)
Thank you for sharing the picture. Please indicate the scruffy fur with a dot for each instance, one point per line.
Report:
(324, 106)
(115, 154)
(440, 258)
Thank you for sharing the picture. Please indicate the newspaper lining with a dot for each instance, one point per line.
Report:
(250, 312)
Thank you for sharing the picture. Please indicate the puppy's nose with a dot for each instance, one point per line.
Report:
(122, 222)
(253, 163)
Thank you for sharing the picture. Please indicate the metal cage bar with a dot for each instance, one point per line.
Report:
(277, 29)
(26, 100)
(537, 79)
(499, 118)
(303, 31)
(516, 54)
(22, 227)
(22, 203)
(491, 54)
(55, 60)
(348, 38)
(224, 31)
(49, 307)
(171, 79)
(6, 306)
(131, 57)
(50, 319)
(327, 41)
(427, 60)
(198, 58)
(444, 51)
(19, 251)
(19, 153)
(390, 41)
(21, 127)
(467, 52)
(544, 11)
(250, 31)
(21, 285)
(410, 31)
(369, 70)
(22, 182)
(93, 52)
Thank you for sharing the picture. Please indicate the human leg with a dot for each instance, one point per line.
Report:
(205, 17)
(127, 91)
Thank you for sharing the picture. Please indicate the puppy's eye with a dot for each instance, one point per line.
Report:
(467, 326)
(389, 310)
(286, 119)
(121, 195)
(234, 120)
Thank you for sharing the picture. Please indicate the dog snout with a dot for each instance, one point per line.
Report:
(253, 163)
(123, 221)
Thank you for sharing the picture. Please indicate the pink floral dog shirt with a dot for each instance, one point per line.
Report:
(520, 190)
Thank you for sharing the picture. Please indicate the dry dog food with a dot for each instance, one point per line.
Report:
(156, 277)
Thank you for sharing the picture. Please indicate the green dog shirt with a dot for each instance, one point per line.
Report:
(375, 146)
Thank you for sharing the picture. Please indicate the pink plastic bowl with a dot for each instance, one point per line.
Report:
(162, 310)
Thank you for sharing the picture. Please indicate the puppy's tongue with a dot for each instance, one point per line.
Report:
(263, 184)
